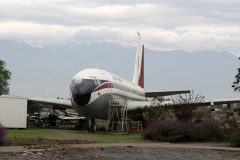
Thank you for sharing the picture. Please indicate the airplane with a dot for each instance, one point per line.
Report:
(92, 89)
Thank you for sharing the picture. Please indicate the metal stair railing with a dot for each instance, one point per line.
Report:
(117, 115)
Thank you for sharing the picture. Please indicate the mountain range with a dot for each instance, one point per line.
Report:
(46, 71)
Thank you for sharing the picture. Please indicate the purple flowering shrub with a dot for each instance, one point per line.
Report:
(2, 135)
(175, 131)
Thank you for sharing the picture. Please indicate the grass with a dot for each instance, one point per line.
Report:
(42, 136)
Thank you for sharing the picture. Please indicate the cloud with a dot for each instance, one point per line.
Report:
(165, 25)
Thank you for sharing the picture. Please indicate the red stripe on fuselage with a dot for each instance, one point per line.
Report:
(120, 87)
(103, 86)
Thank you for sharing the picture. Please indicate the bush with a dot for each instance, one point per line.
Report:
(171, 131)
(101, 128)
(235, 139)
(2, 136)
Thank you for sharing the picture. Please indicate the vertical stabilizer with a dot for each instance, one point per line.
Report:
(138, 77)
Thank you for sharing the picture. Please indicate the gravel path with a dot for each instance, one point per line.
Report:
(120, 152)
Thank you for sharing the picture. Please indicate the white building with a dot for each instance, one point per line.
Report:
(13, 111)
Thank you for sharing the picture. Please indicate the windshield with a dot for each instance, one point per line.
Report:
(84, 86)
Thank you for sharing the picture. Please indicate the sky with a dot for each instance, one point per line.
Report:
(188, 25)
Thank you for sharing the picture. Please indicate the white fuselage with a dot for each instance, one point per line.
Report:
(91, 90)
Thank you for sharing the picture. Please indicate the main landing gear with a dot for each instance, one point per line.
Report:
(92, 127)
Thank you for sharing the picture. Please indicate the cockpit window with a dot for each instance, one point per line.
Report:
(97, 82)
(84, 86)
(77, 80)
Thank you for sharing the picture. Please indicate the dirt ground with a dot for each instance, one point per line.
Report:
(120, 151)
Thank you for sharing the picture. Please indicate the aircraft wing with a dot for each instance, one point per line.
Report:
(62, 103)
(165, 93)
(225, 101)
(207, 103)
(201, 104)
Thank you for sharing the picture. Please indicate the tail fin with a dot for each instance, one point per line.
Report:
(138, 77)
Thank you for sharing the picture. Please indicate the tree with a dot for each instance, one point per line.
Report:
(5, 76)
(185, 113)
(236, 85)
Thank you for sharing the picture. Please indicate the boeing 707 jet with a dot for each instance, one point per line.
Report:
(92, 90)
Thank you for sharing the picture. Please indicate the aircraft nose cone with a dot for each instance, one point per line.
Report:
(81, 100)
(81, 93)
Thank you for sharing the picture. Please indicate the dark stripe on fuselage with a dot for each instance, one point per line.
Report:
(120, 87)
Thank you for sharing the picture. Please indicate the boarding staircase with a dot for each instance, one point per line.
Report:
(117, 115)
